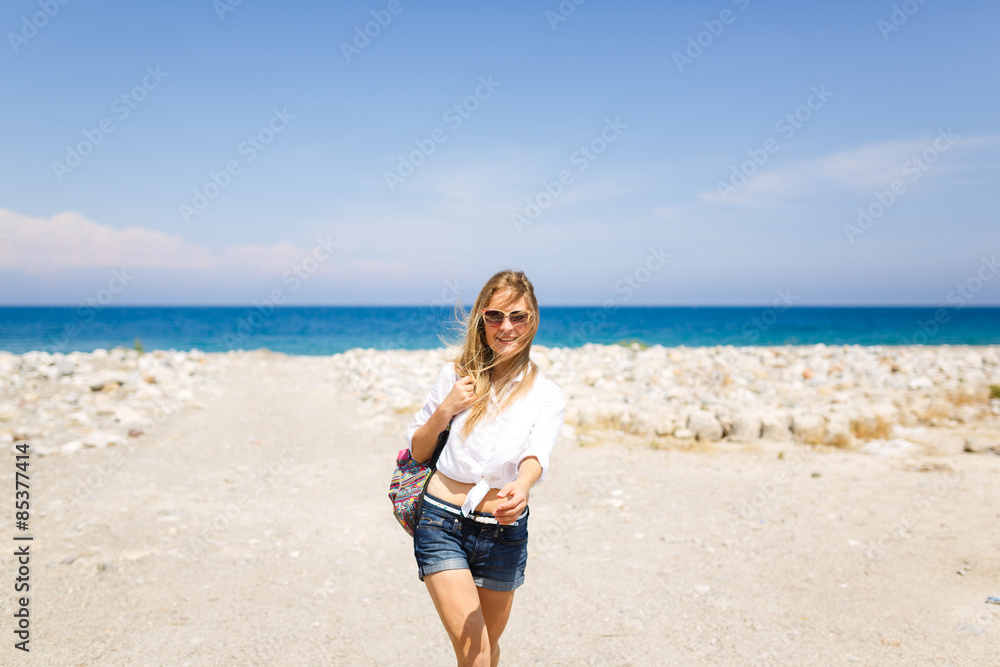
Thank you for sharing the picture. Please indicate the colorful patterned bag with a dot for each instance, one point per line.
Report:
(409, 483)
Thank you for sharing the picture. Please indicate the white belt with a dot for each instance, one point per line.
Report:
(474, 517)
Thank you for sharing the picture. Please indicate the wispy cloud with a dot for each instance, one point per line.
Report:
(862, 168)
(69, 240)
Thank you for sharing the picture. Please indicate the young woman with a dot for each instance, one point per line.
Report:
(471, 543)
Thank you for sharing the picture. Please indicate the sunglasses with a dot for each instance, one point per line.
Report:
(518, 318)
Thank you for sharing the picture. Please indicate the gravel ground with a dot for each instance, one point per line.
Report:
(257, 530)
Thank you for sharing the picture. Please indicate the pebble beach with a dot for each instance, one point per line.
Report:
(910, 399)
(722, 505)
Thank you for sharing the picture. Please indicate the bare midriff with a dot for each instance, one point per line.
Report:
(444, 487)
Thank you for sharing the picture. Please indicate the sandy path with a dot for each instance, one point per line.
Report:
(257, 531)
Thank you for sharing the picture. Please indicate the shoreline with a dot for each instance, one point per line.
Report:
(628, 343)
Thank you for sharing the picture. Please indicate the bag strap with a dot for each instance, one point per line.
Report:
(442, 439)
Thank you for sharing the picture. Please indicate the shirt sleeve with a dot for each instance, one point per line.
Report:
(545, 430)
(442, 385)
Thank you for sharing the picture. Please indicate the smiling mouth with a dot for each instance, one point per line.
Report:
(506, 340)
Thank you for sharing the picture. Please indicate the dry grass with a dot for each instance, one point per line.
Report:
(866, 429)
(840, 441)
(931, 467)
(611, 422)
(970, 396)
(943, 406)
(812, 438)
(693, 446)
(936, 411)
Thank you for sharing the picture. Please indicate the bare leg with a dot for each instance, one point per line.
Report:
(457, 602)
(496, 606)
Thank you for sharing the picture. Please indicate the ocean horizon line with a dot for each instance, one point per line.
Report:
(449, 307)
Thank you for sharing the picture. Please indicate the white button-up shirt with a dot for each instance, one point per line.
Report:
(490, 457)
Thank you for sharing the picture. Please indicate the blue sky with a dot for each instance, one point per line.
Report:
(709, 153)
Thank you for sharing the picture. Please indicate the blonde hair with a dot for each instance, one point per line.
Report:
(477, 359)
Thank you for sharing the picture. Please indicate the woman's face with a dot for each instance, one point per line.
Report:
(505, 336)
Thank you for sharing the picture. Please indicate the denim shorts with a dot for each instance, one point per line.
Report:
(496, 555)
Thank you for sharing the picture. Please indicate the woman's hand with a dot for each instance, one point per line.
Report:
(516, 494)
(460, 397)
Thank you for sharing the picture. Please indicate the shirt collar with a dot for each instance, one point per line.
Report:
(517, 378)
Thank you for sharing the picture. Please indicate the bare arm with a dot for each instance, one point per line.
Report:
(425, 438)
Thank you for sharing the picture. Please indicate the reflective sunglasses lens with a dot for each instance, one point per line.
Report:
(520, 318)
(493, 317)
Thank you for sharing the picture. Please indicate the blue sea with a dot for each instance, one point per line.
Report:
(318, 330)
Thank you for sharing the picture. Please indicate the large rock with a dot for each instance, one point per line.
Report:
(664, 425)
(746, 427)
(775, 426)
(651, 423)
(705, 426)
(809, 428)
(725, 416)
